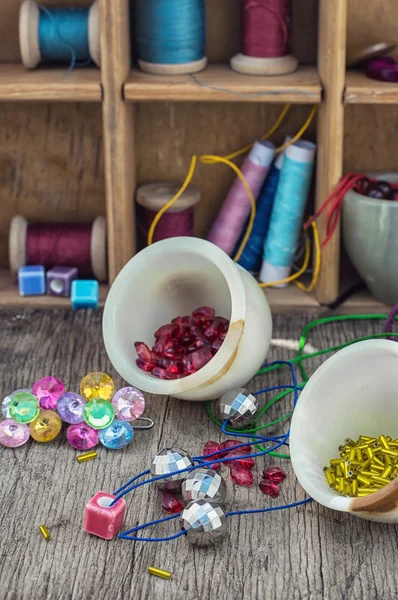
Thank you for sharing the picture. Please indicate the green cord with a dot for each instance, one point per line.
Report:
(299, 358)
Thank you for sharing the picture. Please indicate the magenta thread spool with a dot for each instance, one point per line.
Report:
(177, 221)
(234, 212)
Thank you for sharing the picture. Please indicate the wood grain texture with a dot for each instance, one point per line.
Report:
(118, 126)
(362, 90)
(56, 85)
(51, 164)
(218, 83)
(310, 552)
(331, 64)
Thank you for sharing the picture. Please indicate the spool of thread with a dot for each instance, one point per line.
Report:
(383, 69)
(236, 208)
(178, 220)
(287, 213)
(265, 39)
(251, 257)
(59, 35)
(171, 36)
(59, 244)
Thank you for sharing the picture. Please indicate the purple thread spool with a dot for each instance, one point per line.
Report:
(236, 208)
(384, 68)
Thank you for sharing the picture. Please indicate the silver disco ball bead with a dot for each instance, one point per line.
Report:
(202, 484)
(239, 407)
(167, 461)
(204, 522)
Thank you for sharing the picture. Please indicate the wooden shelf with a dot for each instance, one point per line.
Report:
(219, 83)
(50, 85)
(363, 90)
(9, 295)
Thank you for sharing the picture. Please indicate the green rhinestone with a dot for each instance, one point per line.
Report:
(99, 413)
(24, 407)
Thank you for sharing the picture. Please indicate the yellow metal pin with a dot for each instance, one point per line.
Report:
(87, 456)
(45, 533)
(159, 573)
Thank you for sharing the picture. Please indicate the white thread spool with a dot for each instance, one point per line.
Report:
(29, 16)
(17, 246)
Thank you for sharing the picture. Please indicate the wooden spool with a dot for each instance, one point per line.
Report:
(29, 16)
(17, 246)
(181, 69)
(250, 65)
(153, 196)
(360, 54)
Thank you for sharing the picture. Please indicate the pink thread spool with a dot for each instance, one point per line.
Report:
(177, 220)
(234, 212)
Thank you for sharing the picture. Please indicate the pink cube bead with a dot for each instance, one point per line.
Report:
(103, 520)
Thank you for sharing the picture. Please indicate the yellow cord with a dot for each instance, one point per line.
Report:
(210, 159)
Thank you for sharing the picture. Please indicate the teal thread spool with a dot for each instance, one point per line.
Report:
(58, 35)
(287, 212)
(171, 36)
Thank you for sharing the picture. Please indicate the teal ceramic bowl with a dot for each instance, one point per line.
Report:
(370, 233)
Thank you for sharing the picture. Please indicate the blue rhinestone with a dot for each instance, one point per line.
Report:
(117, 435)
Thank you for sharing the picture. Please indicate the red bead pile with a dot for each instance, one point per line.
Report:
(241, 469)
(183, 346)
(272, 477)
(381, 190)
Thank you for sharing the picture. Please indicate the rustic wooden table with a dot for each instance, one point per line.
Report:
(309, 552)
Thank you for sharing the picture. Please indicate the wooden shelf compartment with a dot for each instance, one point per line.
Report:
(49, 84)
(363, 90)
(219, 83)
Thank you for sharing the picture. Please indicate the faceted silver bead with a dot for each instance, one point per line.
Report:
(167, 461)
(204, 522)
(204, 483)
(239, 407)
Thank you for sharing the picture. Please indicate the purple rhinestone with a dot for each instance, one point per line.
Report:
(13, 434)
(129, 403)
(47, 390)
(82, 436)
(70, 407)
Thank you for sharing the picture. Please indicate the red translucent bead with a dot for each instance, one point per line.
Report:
(144, 366)
(172, 368)
(162, 374)
(209, 448)
(201, 357)
(171, 503)
(144, 352)
(160, 345)
(161, 362)
(171, 330)
(269, 488)
(186, 339)
(240, 475)
(274, 474)
(247, 462)
(232, 444)
(172, 349)
(181, 323)
(204, 312)
(216, 346)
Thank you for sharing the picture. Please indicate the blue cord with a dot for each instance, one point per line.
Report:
(132, 481)
(268, 509)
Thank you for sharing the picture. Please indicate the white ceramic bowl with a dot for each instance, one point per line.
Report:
(174, 277)
(355, 392)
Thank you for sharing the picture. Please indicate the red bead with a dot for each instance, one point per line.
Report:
(232, 444)
(216, 346)
(160, 345)
(144, 366)
(240, 475)
(171, 503)
(186, 339)
(269, 488)
(162, 374)
(173, 368)
(213, 330)
(144, 352)
(209, 448)
(274, 474)
(172, 350)
(247, 462)
(204, 312)
(171, 330)
(182, 325)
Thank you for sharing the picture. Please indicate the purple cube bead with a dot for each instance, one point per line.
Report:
(59, 280)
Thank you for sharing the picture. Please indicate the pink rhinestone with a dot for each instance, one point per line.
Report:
(241, 475)
(47, 390)
(269, 488)
(274, 474)
(129, 403)
(172, 503)
(13, 434)
(81, 436)
(209, 448)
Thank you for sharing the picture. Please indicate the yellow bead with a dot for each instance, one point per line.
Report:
(97, 385)
(46, 426)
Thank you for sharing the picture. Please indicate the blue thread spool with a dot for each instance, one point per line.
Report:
(171, 36)
(58, 35)
(252, 254)
(287, 213)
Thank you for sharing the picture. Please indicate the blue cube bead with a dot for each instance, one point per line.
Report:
(32, 280)
(84, 293)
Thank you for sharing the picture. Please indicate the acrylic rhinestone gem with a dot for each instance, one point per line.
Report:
(117, 435)
(24, 407)
(204, 522)
(97, 385)
(129, 403)
(5, 408)
(81, 436)
(167, 461)
(70, 408)
(99, 413)
(13, 434)
(46, 427)
(239, 407)
(204, 483)
(47, 390)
